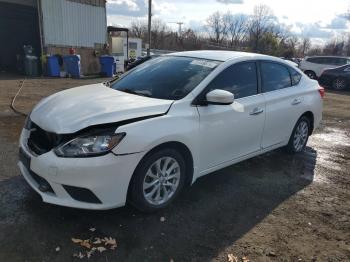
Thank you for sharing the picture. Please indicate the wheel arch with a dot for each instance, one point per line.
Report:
(310, 116)
(182, 149)
(311, 71)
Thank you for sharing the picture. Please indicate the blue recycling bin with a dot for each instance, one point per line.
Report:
(107, 65)
(72, 65)
(53, 66)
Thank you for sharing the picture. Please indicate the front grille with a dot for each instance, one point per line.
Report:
(41, 141)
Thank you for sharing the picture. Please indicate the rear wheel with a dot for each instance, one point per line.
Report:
(158, 179)
(310, 74)
(339, 84)
(300, 135)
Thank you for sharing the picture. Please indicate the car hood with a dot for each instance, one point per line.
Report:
(74, 109)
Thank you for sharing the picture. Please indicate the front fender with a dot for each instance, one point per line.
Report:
(181, 124)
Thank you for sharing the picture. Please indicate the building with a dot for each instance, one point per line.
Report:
(53, 27)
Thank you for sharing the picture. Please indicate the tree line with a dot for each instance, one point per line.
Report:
(260, 32)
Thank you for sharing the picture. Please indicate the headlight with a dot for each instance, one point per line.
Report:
(89, 145)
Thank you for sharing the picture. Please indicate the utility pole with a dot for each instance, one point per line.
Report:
(180, 26)
(149, 26)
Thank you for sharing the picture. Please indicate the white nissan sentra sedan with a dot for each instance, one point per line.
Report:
(143, 137)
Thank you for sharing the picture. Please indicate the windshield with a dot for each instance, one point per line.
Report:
(167, 77)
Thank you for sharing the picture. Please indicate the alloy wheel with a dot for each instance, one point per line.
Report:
(161, 180)
(300, 136)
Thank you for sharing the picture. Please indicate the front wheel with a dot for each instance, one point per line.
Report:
(158, 179)
(300, 135)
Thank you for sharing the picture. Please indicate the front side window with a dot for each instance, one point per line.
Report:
(239, 79)
(274, 76)
(167, 77)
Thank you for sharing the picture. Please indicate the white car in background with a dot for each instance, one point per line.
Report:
(162, 125)
(314, 66)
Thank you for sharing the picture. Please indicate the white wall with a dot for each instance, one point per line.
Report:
(67, 23)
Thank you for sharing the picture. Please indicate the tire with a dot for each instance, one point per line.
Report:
(299, 136)
(311, 74)
(147, 174)
(339, 84)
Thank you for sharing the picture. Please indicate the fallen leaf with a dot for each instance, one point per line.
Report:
(89, 253)
(86, 243)
(97, 241)
(109, 241)
(232, 258)
(57, 249)
(162, 219)
(92, 229)
(101, 249)
(245, 259)
(113, 247)
(76, 240)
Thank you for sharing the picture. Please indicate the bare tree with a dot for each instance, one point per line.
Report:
(159, 32)
(139, 28)
(260, 23)
(236, 28)
(305, 46)
(217, 27)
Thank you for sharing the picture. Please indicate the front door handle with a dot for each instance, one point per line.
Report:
(256, 111)
(296, 101)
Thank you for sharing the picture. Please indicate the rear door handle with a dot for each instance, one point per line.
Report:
(256, 111)
(296, 101)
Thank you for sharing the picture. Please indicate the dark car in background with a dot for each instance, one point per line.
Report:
(337, 78)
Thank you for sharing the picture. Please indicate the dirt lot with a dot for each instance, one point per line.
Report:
(275, 207)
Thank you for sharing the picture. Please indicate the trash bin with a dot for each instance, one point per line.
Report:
(107, 65)
(53, 67)
(31, 65)
(72, 65)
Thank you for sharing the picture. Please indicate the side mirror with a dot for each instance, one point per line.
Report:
(219, 97)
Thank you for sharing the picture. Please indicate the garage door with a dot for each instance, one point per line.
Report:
(18, 27)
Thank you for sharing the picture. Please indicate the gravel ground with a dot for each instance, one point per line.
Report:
(275, 207)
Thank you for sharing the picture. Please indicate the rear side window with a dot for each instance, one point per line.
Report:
(239, 79)
(316, 60)
(295, 75)
(320, 60)
(274, 76)
(341, 61)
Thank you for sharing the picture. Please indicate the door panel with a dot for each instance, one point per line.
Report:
(284, 102)
(283, 108)
(230, 131)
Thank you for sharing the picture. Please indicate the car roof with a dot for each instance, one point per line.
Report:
(221, 55)
(330, 56)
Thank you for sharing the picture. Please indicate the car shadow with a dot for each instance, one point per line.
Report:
(207, 218)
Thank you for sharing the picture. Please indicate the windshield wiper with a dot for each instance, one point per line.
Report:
(129, 91)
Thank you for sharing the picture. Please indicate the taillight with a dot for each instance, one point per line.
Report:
(321, 91)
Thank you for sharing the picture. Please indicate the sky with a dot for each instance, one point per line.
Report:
(320, 20)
